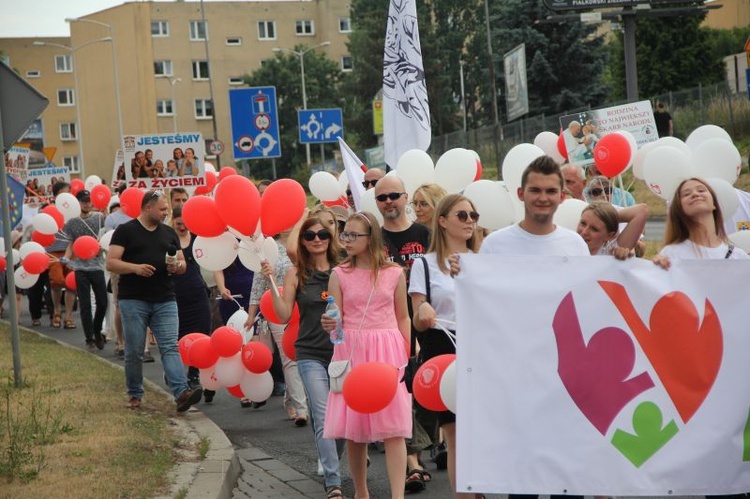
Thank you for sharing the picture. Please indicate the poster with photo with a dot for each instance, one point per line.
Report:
(516, 87)
(17, 162)
(40, 181)
(165, 160)
(118, 169)
(581, 131)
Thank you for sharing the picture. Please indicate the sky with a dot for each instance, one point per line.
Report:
(46, 18)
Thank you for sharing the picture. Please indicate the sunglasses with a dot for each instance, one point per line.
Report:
(598, 191)
(391, 195)
(369, 183)
(322, 234)
(464, 216)
(350, 237)
(151, 195)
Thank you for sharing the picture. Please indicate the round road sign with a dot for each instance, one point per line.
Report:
(216, 147)
(245, 144)
(262, 122)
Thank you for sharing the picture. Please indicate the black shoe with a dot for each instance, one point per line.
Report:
(208, 396)
(90, 346)
(193, 382)
(440, 457)
(257, 405)
(188, 398)
(147, 357)
(99, 341)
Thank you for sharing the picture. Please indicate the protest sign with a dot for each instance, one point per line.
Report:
(164, 160)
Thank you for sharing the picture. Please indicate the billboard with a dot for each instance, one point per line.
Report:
(516, 87)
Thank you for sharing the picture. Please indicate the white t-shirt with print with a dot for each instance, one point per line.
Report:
(514, 240)
(442, 295)
(688, 250)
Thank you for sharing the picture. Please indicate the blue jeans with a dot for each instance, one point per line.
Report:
(314, 376)
(162, 319)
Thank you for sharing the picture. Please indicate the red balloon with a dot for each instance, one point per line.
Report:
(226, 341)
(227, 171)
(370, 387)
(612, 154)
(210, 184)
(3, 264)
(76, 185)
(289, 339)
(266, 306)
(202, 354)
(426, 387)
(201, 216)
(236, 391)
(52, 211)
(70, 281)
(35, 263)
(100, 196)
(239, 205)
(43, 239)
(257, 357)
(342, 201)
(561, 145)
(478, 176)
(86, 247)
(130, 201)
(185, 343)
(282, 206)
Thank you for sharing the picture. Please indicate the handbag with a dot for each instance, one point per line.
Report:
(415, 361)
(338, 370)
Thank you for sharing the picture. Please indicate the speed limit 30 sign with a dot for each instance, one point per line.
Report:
(216, 147)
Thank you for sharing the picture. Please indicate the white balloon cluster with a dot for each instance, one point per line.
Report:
(218, 253)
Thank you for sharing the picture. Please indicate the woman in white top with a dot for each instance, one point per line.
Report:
(695, 227)
(600, 228)
(454, 231)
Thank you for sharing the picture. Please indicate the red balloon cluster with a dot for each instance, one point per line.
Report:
(201, 217)
(52, 211)
(612, 154)
(238, 202)
(35, 263)
(3, 264)
(257, 357)
(226, 341)
(284, 202)
(426, 386)
(211, 182)
(370, 387)
(227, 171)
(561, 145)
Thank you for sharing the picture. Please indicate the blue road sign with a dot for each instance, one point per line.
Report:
(255, 123)
(318, 126)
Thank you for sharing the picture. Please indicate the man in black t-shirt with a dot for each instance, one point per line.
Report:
(140, 252)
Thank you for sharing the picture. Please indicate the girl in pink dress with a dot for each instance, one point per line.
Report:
(371, 293)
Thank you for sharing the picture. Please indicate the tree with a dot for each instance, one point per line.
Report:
(322, 78)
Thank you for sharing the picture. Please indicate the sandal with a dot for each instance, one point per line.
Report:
(427, 476)
(415, 481)
(69, 324)
(333, 491)
(56, 321)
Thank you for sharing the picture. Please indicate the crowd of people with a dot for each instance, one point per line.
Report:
(394, 286)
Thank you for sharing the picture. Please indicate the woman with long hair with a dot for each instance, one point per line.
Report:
(307, 284)
(371, 294)
(426, 198)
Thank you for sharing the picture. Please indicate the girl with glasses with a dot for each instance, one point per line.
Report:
(425, 199)
(371, 293)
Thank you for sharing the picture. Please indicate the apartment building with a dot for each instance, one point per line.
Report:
(162, 67)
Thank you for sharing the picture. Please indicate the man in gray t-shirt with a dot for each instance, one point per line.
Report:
(90, 272)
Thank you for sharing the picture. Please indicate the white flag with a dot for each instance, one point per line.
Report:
(406, 110)
(355, 175)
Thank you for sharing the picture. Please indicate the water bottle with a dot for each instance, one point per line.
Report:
(332, 311)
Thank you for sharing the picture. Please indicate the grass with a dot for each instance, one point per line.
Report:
(65, 432)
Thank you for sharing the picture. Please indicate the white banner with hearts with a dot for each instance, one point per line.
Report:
(598, 377)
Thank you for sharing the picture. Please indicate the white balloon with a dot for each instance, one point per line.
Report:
(44, 223)
(704, 133)
(633, 145)
(516, 161)
(68, 205)
(455, 169)
(343, 181)
(16, 255)
(29, 247)
(24, 280)
(106, 239)
(568, 214)
(215, 253)
(415, 168)
(237, 322)
(92, 181)
(727, 197)
(208, 379)
(368, 203)
(547, 142)
(249, 255)
(324, 186)
(640, 157)
(257, 387)
(229, 370)
(493, 203)
(674, 142)
(717, 158)
(664, 168)
(270, 250)
(741, 239)
(448, 387)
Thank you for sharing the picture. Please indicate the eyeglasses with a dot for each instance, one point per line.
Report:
(391, 195)
(420, 204)
(369, 183)
(322, 234)
(350, 237)
(152, 195)
(464, 216)
(598, 191)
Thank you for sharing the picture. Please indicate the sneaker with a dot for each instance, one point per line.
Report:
(188, 398)
(147, 357)
(133, 403)
(320, 468)
(208, 396)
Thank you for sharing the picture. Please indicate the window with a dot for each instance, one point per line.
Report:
(234, 41)
(66, 97)
(163, 68)
(164, 107)
(198, 30)
(346, 63)
(305, 27)
(345, 24)
(266, 30)
(72, 163)
(63, 64)
(33, 73)
(159, 28)
(200, 70)
(204, 109)
(236, 80)
(68, 131)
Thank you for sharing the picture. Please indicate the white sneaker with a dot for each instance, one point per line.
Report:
(320, 468)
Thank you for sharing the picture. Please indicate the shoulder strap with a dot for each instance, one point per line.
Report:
(729, 251)
(426, 279)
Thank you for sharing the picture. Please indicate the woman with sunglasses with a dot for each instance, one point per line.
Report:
(326, 217)
(307, 284)
(600, 228)
(454, 231)
(425, 199)
(371, 293)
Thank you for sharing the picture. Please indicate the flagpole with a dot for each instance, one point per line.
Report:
(9, 271)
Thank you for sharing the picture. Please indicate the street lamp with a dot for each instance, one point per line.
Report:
(114, 65)
(301, 56)
(172, 81)
(73, 50)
